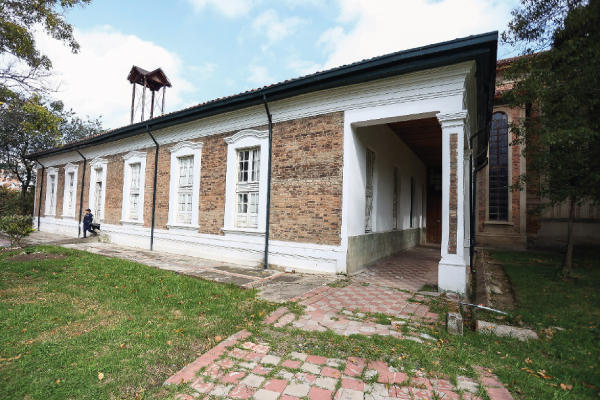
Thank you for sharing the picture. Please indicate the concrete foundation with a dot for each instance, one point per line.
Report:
(553, 234)
(366, 249)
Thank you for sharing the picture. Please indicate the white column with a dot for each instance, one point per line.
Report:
(452, 267)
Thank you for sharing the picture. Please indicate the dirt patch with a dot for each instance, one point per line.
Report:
(36, 257)
(499, 286)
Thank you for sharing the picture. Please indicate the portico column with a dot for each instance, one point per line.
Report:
(452, 267)
(467, 205)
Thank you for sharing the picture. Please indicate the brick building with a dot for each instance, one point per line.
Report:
(364, 160)
(502, 219)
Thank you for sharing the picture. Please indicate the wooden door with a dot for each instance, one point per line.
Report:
(434, 218)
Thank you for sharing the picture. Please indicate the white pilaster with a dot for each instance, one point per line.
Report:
(452, 266)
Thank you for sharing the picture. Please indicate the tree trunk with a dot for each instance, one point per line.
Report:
(567, 270)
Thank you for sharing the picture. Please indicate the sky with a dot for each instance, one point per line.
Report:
(214, 48)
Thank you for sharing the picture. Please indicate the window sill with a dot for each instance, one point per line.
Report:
(499, 223)
(184, 227)
(132, 222)
(68, 216)
(243, 231)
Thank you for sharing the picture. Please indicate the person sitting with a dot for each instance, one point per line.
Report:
(88, 218)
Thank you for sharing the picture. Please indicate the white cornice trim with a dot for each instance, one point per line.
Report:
(133, 154)
(247, 133)
(455, 119)
(98, 162)
(184, 144)
(71, 167)
(51, 170)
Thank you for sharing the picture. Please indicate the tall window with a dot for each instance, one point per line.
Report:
(395, 201)
(52, 198)
(134, 191)
(369, 191)
(98, 210)
(498, 170)
(71, 193)
(185, 190)
(247, 188)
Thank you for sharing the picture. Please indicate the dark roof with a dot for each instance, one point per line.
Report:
(154, 80)
(479, 48)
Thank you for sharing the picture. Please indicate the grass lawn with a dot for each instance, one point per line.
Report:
(75, 325)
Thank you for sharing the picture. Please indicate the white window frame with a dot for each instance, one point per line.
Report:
(98, 164)
(248, 190)
(51, 180)
(132, 158)
(181, 150)
(370, 191)
(70, 169)
(245, 140)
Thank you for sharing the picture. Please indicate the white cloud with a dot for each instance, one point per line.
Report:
(205, 69)
(259, 75)
(274, 27)
(302, 67)
(386, 26)
(229, 8)
(93, 82)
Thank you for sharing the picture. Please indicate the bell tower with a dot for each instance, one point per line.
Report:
(156, 82)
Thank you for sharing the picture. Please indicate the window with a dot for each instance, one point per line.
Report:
(369, 191)
(98, 188)
(132, 212)
(412, 198)
(498, 169)
(70, 192)
(51, 191)
(184, 190)
(185, 185)
(246, 183)
(247, 188)
(395, 201)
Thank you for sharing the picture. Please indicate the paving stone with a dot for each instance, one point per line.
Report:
(275, 385)
(299, 356)
(263, 394)
(297, 389)
(334, 362)
(468, 386)
(414, 339)
(316, 393)
(270, 360)
(241, 391)
(291, 364)
(349, 394)
(285, 375)
(426, 336)
(253, 380)
(221, 390)
(506, 331)
(354, 384)
(310, 367)
(247, 365)
(326, 383)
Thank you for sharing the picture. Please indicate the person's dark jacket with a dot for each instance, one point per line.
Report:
(88, 218)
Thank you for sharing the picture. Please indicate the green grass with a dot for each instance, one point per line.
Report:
(66, 321)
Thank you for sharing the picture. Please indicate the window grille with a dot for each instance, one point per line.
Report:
(185, 188)
(52, 192)
(98, 211)
(134, 191)
(71, 176)
(498, 170)
(247, 188)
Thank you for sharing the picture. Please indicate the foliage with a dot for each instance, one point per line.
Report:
(24, 67)
(563, 138)
(10, 201)
(31, 124)
(16, 227)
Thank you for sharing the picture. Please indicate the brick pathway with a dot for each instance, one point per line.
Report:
(240, 369)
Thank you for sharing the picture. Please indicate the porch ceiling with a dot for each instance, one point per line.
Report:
(423, 137)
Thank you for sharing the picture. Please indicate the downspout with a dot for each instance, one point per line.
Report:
(473, 196)
(270, 117)
(153, 188)
(41, 188)
(81, 195)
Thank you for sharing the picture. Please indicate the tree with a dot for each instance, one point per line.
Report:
(24, 68)
(563, 83)
(29, 125)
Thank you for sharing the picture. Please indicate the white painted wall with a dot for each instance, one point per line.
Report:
(390, 152)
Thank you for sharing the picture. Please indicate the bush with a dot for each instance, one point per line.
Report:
(16, 227)
(14, 202)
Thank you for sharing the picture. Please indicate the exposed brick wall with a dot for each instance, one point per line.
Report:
(162, 186)
(515, 196)
(212, 184)
(60, 190)
(453, 193)
(306, 186)
(114, 189)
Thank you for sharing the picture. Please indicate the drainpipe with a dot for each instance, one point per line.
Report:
(153, 188)
(81, 195)
(41, 188)
(473, 196)
(270, 117)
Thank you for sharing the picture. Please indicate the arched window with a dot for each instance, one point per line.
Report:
(498, 192)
